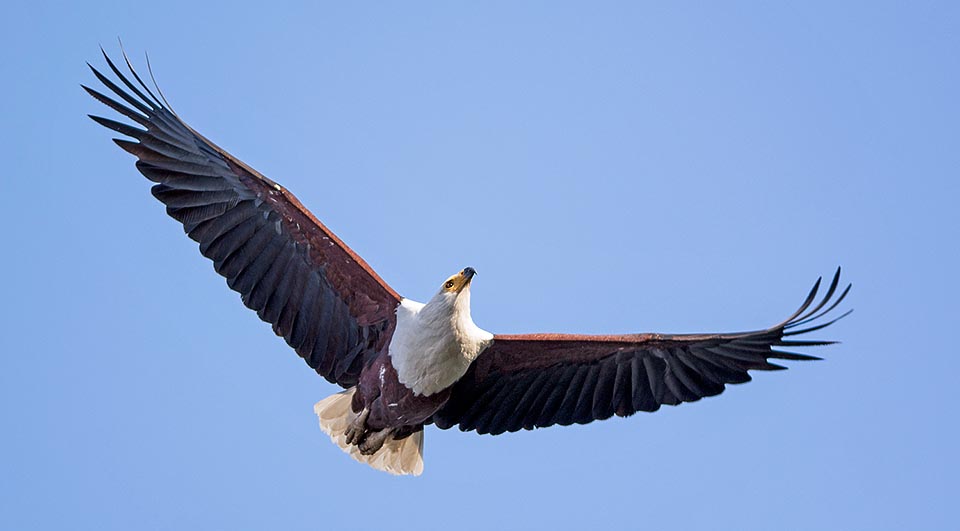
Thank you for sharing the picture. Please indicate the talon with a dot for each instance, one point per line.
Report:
(374, 441)
(356, 430)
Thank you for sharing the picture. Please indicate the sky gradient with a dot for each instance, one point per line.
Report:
(607, 168)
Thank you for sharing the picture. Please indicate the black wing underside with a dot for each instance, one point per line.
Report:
(539, 380)
(325, 301)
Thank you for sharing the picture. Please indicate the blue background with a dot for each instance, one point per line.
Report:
(607, 167)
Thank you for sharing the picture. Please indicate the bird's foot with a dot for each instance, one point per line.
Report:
(357, 429)
(374, 441)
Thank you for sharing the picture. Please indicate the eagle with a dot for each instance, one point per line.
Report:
(405, 364)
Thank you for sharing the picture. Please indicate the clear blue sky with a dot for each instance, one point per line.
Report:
(606, 167)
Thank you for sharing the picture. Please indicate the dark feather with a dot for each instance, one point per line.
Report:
(286, 266)
(577, 379)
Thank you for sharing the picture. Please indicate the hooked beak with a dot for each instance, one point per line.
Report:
(468, 273)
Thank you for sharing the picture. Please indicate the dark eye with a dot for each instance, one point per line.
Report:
(448, 285)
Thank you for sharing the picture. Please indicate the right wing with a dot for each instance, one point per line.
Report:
(328, 304)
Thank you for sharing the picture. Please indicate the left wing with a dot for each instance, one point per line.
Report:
(538, 380)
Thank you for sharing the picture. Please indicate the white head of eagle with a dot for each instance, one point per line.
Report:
(434, 343)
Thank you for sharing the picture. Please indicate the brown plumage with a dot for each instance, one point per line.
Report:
(538, 380)
(287, 266)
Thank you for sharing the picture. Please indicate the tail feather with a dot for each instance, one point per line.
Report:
(403, 457)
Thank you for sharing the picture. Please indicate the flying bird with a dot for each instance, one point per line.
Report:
(406, 364)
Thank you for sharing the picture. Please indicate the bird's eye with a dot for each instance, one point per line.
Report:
(448, 285)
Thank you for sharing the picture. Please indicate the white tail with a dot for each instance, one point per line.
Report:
(403, 457)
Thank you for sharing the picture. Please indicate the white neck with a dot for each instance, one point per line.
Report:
(435, 343)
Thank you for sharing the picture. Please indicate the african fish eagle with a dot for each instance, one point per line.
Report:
(405, 364)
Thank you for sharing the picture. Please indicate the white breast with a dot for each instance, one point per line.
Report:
(435, 343)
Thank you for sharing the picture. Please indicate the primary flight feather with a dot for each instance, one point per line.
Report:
(406, 364)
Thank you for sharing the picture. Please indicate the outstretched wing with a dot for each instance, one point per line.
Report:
(328, 304)
(538, 380)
